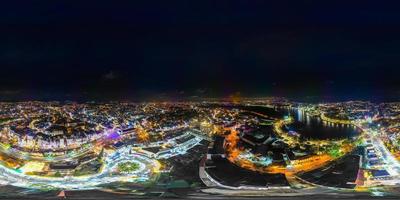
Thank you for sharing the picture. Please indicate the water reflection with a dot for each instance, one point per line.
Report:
(314, 127)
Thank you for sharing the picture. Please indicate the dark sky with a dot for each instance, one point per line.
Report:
(83, 50)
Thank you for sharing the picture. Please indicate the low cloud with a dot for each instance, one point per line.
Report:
(111, 75)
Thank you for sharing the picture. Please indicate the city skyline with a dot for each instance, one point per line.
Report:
(199, 99)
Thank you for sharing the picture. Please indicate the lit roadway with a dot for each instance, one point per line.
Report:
(147, 167)
(391, 165)
(29, 156)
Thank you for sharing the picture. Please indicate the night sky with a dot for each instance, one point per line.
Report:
(125, 50)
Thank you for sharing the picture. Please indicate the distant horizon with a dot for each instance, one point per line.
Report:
(307, 99)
